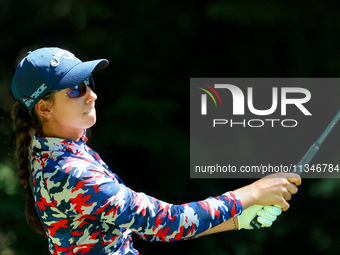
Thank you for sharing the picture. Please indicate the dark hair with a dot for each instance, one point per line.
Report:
(26, 124)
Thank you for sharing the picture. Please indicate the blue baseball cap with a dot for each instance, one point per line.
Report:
(49, 69)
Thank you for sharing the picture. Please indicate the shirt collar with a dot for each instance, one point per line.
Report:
(58, 144)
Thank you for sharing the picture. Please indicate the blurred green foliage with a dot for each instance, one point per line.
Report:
(142, 132)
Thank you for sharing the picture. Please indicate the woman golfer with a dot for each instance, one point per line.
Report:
(76, 201)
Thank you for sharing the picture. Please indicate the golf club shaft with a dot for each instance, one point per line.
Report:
(300, 167)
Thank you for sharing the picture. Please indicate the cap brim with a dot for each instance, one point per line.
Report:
(79, 73)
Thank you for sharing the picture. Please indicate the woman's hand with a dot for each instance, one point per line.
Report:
(274, 189)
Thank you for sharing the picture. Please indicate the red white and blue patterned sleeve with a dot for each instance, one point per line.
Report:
(85, 189)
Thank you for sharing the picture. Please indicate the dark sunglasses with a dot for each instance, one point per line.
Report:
(80, 90)
(77, 91)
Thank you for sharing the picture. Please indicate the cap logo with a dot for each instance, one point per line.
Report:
(58, 54)
(36, 94)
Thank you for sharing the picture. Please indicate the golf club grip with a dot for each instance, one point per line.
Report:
(255, 224)
(300, 167)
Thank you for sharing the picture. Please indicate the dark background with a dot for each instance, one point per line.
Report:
(142, 130)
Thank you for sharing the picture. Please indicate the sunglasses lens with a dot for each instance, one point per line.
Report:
(77, 91)
(80, 90)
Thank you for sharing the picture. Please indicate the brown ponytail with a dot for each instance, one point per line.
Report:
(25, 125)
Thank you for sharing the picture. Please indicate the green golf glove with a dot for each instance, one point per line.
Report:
(266, 216)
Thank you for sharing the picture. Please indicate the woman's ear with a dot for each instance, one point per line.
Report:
(43, 108)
